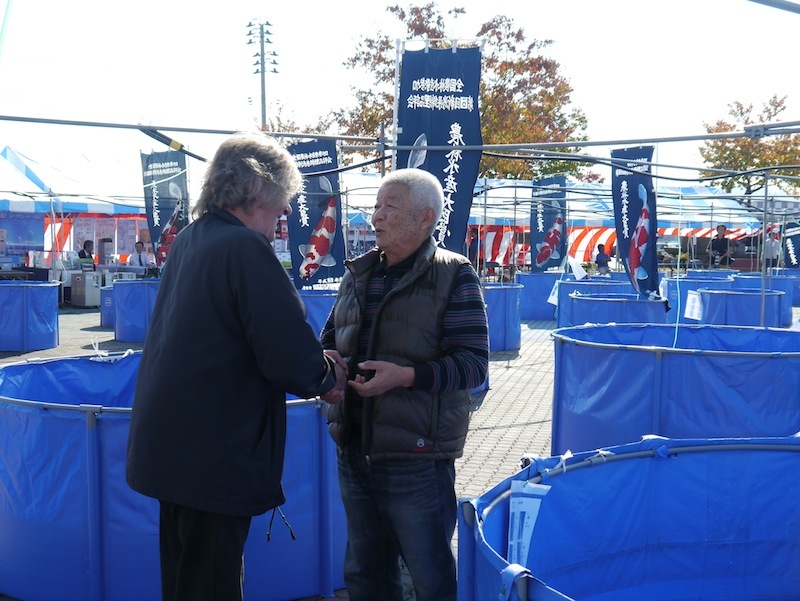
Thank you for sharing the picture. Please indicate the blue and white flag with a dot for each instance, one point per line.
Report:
(791, 244)
(316, 242)
(548, 223)
(635, 216)
(166, 198)
(438, 106)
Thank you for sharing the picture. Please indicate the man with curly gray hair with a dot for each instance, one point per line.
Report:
(227, 339)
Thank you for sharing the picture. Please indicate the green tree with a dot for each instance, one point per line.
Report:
(523, 97)
(749, 154)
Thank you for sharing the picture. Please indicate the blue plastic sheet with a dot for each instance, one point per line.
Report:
(28, 315)
(676, 290)
(536, 289)
(107, 306)
(590, 286)
(616, 383)
(616, 308)
(659, 519)
(73, 529)
(743, 307)
(710, 274)
(133, 305)
(318, 306)
(749, 281)
(794, 273)
(503, 314)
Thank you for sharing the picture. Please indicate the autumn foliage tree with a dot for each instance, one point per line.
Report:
(747, 155)
(523, 97)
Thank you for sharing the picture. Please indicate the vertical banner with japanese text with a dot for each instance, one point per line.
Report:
(635, 216)
(548, 219)
(438, 106)
(791, 244)
(316, 242)
(166, 198)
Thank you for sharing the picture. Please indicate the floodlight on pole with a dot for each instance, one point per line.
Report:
(255, 28)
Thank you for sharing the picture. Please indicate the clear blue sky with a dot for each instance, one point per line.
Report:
(183, 63)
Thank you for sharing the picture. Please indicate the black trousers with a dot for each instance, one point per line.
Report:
(201, 554)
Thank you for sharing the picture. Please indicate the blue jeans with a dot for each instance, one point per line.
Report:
(398, 508)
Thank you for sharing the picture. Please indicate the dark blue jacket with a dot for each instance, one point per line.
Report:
(227, 339)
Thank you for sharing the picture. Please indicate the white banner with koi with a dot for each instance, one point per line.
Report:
(316, 241)
(635, 216)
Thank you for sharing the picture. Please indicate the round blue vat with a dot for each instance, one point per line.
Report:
(536, 288)
(676, 290)
(748, 281)
(587, 286)
(616, 383)
(28, 315)
(73, 529)
(133, 305)
(706, 274)
(318, 306)
(503, 313)
(616, 308)
(655, 520)
(107, 306)
(742, 307)
(792, 272)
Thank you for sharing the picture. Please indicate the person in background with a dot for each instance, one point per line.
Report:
(720, 249)
(139, 258)
(772, 250)
(602, 259)
(410, 320)
(86, 253)
(208, 425)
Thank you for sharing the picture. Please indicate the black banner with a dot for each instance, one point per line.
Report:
(166, 199)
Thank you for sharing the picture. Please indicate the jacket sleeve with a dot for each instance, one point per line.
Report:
(287, 350)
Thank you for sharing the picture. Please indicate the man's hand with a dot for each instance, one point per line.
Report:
(387, 376)
(336, 394)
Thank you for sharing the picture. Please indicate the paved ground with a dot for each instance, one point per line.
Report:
(509, 419)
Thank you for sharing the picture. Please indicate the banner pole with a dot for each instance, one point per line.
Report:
(396, 104)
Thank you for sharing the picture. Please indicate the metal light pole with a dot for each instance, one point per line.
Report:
(264, 59)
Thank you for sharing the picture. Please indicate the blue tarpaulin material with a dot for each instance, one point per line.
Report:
(318, 306)
(742, 307)
(133, 306)
(616, 308)
(616, 383)
(503, 314)
(536, 288)
(73, 529)
(795, 274)
(28, 315)
(676, 291)
(658, 519)
(592, 286)
(786, 283)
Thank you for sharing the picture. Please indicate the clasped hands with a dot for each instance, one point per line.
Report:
(386, 375)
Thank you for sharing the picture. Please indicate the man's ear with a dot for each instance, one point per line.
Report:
(427, 218)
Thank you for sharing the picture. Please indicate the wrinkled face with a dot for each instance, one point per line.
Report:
(399, 231)
(263, 216)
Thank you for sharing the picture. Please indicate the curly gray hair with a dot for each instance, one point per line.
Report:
(248, 167)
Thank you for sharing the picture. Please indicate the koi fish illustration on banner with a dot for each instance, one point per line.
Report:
(548, 223)
(316, 242)
(635, 216)
(166, 199)
(438, 106)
